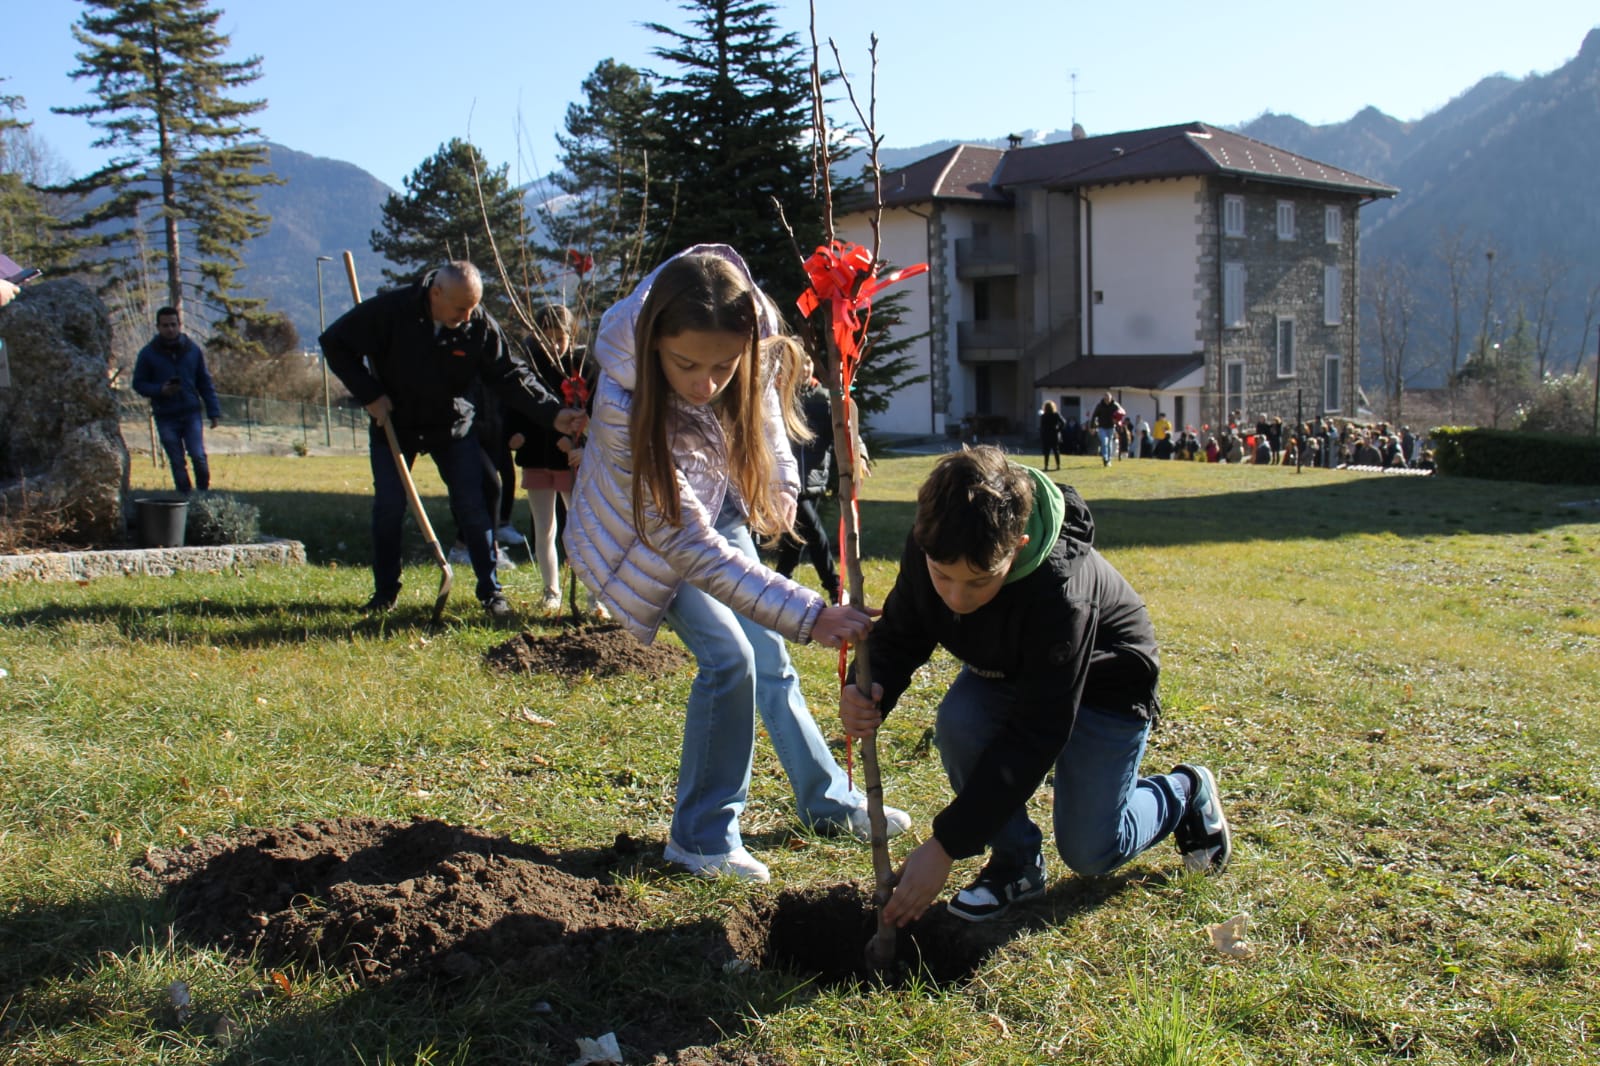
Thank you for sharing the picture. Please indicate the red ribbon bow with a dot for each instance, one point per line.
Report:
(575, 391)
(843, 275)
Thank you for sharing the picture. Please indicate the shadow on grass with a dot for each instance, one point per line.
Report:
(250, 625)
(336, 526)
(1312, 509)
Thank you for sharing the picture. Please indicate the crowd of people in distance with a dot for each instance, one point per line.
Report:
(1331, 443)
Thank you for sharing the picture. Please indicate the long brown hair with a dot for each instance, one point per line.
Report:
(704, 293)
(788, 356)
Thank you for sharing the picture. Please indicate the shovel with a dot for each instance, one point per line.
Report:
(446, 576)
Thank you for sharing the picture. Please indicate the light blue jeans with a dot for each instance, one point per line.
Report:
(1105, 813)
(1108, 443)
(744, 668)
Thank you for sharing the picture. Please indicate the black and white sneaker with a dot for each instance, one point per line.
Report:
(997, 888)
(1203, 835)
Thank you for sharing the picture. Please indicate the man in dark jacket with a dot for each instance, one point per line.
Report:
(411, 356)
(1105, 418)
(1059, 672)
(171, 371)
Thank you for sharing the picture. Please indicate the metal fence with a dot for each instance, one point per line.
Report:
(254, 424)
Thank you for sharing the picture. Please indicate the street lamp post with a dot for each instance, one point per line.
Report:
(322, 327)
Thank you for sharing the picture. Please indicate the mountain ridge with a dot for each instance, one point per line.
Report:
(1502, 164)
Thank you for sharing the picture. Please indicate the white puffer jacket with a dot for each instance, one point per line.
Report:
(637, 582)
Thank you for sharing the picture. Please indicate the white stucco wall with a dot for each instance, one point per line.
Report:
(903, 242)
(1145, 238)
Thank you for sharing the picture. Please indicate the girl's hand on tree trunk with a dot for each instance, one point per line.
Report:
(839, 625)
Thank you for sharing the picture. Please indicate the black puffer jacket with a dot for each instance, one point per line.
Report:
(387, 345)
(815, 458)
(1071, 632)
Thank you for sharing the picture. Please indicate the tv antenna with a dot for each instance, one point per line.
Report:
(1077, 131)
(1075, 92)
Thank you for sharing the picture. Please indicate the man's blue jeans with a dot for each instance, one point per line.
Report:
(744, 667)
(1105, 813)
(461, 468)
(180, 434)
(1108, 443)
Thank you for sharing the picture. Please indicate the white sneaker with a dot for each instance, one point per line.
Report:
(459, 556)
(507, 534)
(737, 863)
(502, 561)
(551, 600)
(895, 822)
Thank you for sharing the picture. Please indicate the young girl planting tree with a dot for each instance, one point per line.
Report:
(687, 452)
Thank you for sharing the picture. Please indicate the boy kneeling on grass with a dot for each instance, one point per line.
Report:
(1059, 669)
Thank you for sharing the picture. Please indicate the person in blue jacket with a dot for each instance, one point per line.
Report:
(171, 371)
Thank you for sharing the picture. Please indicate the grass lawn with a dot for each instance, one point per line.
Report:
(1394, 680)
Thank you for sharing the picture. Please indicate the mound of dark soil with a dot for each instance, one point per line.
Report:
(389, 899)
(584, 651)
(426, 901)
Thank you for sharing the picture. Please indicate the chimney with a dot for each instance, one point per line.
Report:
(1014, 140)
(1078, 133)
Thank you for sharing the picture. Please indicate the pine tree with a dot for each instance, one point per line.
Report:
(738, 108)
(440, 218)
(598, 234)
(26, 215)
(161, 88)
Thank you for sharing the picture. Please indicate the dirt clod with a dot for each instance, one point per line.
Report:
(584, 651)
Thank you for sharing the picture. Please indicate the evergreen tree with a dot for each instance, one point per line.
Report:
(738, 108)
(26, 215)
(598, 235)
(440, 218)
(161, 88)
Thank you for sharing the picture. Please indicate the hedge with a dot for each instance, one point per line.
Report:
(1515, 455)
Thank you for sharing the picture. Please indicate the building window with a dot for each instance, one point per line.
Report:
(1331, 400)
(1333, 224)
(1233, 216)
(1233, 295)
(1285, 358)
(1332, 296)
(1233, 385)
(1285, 220)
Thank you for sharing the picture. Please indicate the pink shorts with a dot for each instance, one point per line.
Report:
(534, 477)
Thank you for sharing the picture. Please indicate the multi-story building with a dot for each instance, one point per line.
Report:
(1186, 269)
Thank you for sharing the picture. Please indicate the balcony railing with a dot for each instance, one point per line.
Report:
(993, 340)
(994, 256)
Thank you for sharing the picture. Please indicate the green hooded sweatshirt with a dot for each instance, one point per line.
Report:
(1044, 526)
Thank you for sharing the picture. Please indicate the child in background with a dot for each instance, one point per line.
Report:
(547, 469)
(686, 454)
(1059, 672)
(808, 419)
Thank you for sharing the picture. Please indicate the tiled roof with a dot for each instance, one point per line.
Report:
(1150, 372)
(1170, 152)
(960, 173)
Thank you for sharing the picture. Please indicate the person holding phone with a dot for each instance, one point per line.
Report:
(171, 371)
(8, 292)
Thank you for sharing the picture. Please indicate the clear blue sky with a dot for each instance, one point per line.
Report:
(383, 85)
